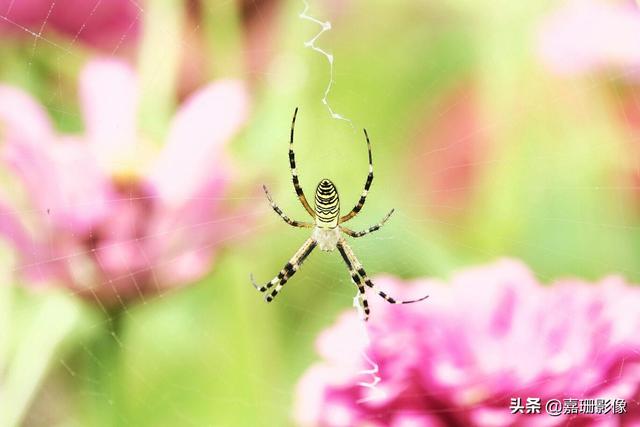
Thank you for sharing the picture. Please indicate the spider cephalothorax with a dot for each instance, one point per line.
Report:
(327, 231)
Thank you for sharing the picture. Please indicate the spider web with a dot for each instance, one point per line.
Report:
(212, 353)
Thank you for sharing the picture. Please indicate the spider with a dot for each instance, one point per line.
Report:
(326, 233)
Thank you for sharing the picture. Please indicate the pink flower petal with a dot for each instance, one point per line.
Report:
(108, 238)
(207, 121)
(103, 24)
(586, 35)
(49, 168)
(109, 97)
(416, 420)
(22, 118)
(12, 229)
(192, 232)
(311, 395)
(494, 333)
(49, 173)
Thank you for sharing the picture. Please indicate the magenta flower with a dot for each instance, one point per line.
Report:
(492, 334)
(102, 24)
(587, 35)
(101, 220)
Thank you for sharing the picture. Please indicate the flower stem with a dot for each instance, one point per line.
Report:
(104, 356)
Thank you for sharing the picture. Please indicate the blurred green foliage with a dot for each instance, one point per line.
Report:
(547, 190)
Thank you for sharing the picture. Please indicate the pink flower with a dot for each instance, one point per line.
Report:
(102, 221)
(449, 153)
(103, 24)
(492, 334)
(587, 35)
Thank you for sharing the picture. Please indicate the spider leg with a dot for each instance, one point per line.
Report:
(294, 172)
(362, 296)
(367, 186)
(363, 274)
(369, 230)
(287, 272)
(286, 219)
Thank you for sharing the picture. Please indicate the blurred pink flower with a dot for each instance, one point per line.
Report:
(103, 24)
(450, 152)
(587, 35)
(492, 334)
(104, 223)
(595, 35)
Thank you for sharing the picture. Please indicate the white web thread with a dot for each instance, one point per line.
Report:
(311, 44)
(374, 392)
(226, 356)
(39, 35)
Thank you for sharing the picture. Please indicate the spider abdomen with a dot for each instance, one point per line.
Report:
(327, 208)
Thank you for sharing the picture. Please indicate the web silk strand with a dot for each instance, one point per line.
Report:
(311, 44)
(374, 393)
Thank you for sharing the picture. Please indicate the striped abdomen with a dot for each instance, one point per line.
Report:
(327, 205)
